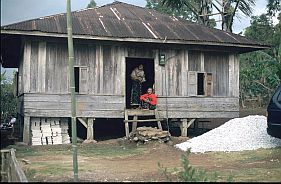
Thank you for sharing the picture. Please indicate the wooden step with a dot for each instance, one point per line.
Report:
(143, 120)
(140, 112)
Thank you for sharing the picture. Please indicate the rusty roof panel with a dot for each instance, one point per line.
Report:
(121, 20)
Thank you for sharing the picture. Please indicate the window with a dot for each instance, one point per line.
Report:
(81, 79)
(200, 83)
(76, 79)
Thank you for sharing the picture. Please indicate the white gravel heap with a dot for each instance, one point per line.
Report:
(238, 134)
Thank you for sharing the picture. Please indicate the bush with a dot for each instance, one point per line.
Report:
(188, 173)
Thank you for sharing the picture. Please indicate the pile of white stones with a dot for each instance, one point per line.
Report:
(238, 134)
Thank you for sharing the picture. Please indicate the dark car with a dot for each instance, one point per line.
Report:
(274, 114)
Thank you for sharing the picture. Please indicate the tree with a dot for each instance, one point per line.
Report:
(182, 12)
(261, 29)
(92, 4)
(273, 6)
(200, 9)
(260, 71)
(8, 100)
(227, 9)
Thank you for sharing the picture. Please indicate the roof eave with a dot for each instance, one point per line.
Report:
(145, 40)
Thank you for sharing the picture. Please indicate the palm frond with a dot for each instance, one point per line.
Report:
(246, 6)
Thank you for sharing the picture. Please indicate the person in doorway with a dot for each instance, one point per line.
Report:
(149, 100)
(138, 77)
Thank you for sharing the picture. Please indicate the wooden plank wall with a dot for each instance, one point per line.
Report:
(218, 65)
(101, 106)
(58, 105)
(104, 65)
(105, 70)
(171, 80)
(194, 63)
(202, 107)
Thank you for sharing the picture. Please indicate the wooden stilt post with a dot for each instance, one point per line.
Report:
(26, 130)
(184, 128)
(126, 124)
(135, 123)
(157, 117)
(90, 129)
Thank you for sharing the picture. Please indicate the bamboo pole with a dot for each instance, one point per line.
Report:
(72, 88)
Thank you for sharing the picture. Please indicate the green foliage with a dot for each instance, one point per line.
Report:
(273, 6)
(8, 101)
(188, 173)
(258, 76)
(203, 10)
(30, 174)
(260, 71)
(181, 12)
(92, 4)
(186, 9)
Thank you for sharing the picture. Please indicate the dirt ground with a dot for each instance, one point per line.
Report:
(118, 160)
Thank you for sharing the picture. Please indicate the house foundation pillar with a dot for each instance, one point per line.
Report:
(26, 130)
(184, 125)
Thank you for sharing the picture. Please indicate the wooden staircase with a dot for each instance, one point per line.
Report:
(140, 113)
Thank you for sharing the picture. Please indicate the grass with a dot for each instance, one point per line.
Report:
(82, 150)
(248, 166)
(111, 151)
(42, 168)
(262, 165)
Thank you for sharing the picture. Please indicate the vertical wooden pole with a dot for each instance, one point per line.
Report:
(2, 163)
(72, 88)
(184, 127)
(126, 124)
(26, 130)
(156, 114)
(90, 129)
(8, 159)
(135, 124)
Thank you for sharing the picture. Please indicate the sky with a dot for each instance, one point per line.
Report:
(13, 11)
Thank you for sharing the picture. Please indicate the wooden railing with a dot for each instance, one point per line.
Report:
(10, 168)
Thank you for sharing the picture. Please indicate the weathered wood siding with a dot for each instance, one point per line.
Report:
(100, 106)
(45, 80)
(171, 79)
(58, 105)
(57, 80)
(218, 65)
(45, 68)
(200, 107)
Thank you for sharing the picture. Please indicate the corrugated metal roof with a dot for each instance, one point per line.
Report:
(121, 20)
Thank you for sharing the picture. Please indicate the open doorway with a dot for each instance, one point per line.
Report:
(148, 67)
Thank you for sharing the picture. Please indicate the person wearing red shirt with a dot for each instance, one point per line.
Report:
(149, 100)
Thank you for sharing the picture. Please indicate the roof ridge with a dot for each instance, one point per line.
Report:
(238, 39)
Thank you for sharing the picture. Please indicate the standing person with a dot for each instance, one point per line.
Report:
(138, 77)
(149, 100)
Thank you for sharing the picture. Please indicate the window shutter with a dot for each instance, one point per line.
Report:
(209, 84)
(192, 83)
(83, 83)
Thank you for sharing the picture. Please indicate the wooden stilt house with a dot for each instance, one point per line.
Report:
(194, 69)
